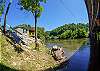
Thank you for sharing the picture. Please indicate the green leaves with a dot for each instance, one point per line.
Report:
(41, 8)
(41, 33)
(23, 26)
(70, 31)
(40, 11)
(32, 5)
(43, 1)
(2, 5)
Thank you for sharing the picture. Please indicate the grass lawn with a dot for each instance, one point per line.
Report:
(30, 60)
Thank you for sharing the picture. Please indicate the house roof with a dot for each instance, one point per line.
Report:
(32, 28)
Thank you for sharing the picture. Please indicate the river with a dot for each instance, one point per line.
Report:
(77, 51)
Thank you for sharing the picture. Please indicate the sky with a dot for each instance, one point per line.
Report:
(56, 13)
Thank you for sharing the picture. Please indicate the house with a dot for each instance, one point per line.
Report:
(25, 31)
(32, 32)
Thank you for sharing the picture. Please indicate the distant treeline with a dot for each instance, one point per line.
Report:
(69, 31)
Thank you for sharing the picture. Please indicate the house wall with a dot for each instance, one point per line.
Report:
(31, 33)
(22, 31)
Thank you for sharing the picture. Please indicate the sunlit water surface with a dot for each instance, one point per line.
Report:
(80, 59)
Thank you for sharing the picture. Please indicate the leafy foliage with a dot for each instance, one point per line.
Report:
(70, 31)
(32, 6)
(24, 26)
(41, 33)
(2, 5)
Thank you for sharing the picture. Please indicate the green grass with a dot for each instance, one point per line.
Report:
(30, 60)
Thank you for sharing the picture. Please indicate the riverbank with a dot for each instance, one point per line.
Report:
(26, 60)
(78, 62)
(30, 59)
(70, 46)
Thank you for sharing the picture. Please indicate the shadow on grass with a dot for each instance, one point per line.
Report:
(18, 49)
(5, 68)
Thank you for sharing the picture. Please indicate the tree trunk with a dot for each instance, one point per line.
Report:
(94, 64)
(35, 30)
(4, 29)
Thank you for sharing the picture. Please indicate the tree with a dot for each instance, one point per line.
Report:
(72, 31)
(92, 9)
(35, 8)
(7, 10)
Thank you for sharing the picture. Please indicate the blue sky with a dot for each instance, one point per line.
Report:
(56, 13)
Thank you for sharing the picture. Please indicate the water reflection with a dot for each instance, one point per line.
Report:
(94, 64)
(79, 61)
(70, 45)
